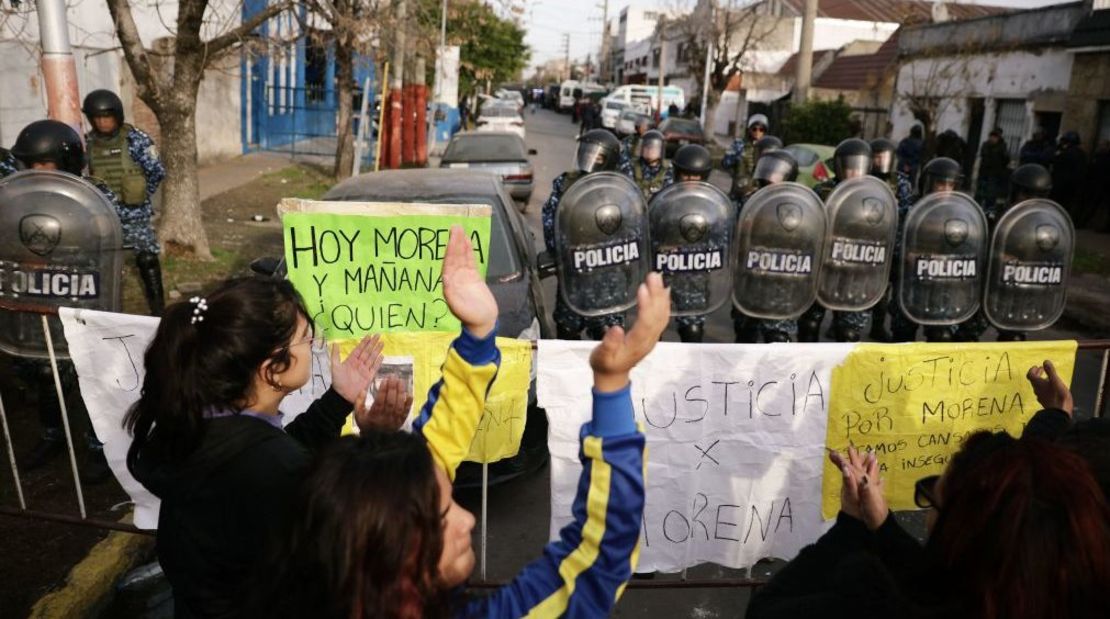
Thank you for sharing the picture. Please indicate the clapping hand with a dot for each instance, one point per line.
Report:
(1050, 389)
(861, 495)
(465, 290)
(351, 377)
(618, 351)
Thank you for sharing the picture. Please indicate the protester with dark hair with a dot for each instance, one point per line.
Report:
(208, 435)
(1017, 527)
(378, 534)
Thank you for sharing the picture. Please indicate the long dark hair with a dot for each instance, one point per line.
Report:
(1023, 530)
(193, 365)
(366, 538)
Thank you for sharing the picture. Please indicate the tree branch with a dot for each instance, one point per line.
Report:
(222, 42)
(150, 88)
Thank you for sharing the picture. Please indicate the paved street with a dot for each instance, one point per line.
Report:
(518, 511)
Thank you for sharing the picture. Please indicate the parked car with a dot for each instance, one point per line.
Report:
(610, 112)
(502, 153)
(679, 132)
(512, 274)
(499, 116)
(626, 124)
(513, 96)
(812, 166)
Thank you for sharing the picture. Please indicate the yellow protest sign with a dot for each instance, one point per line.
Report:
(502, 424)
(914, 403)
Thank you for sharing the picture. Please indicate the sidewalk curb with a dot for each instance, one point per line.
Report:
(90, 583)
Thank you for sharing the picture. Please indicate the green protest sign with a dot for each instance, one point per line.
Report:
(368, 267)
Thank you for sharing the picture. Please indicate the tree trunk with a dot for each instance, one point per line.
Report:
(345, 146)
(182, 222)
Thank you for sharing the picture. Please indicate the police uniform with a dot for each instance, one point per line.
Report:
(630, 149)
(567, 319)
(649, 177)
(8, 164)
(128, 163)
(740, 161)
(750, 329)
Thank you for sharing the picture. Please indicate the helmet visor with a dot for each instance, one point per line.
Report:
(771, 170)
(591, 157)
(882, 162)
(652, 149)
(852, 166)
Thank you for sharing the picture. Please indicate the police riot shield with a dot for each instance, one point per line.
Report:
(691, 245)
(60, 244)
(1028, 266)
(780, 239)
(601, 244)
(944, 247)
(862, 222)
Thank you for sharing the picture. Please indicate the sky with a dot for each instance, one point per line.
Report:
(548, 20)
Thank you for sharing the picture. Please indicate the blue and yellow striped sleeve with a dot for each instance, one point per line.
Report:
(449, 419)
(584, 572)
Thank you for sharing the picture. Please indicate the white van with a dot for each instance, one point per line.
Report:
(566, 92)
(648, 96)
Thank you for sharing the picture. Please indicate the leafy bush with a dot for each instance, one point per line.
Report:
(818, 122)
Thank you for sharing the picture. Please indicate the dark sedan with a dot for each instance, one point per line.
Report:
(679, 132)
(501, 153)
(511, 274)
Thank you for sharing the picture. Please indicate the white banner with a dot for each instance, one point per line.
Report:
(107, 350)
(736, 442)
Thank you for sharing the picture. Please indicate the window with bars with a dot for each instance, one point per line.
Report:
(1009, 116)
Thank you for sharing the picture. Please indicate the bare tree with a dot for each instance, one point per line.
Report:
(929, 85)
(167, 80)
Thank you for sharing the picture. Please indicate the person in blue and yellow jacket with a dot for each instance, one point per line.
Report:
(378, 534)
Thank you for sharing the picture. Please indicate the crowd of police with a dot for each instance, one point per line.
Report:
(116, 160)
(786, 254)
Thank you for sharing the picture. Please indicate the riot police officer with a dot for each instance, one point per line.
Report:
(852, 159)
(739, 161)
(630, 146)
(649, 171)
(598, 150)
(1027, 182)
(883, 154)
(8, 163)
(54, 145)
(772, 167)
(939, 175)
(126, 160)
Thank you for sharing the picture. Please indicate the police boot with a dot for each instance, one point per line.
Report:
(691, 333)
(150, 271)
(904, 334)
(747, 335)
(1011, 336)
(878, 318)
(847, 334)
(809, 330)
(772, 337)
(938, 334)
(566, 333)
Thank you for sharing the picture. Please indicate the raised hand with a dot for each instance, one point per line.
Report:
(851, 470)
(872, 503)
(352, 376)
(468, 297)
(618, 351)
(1050, 389)
(390, 409)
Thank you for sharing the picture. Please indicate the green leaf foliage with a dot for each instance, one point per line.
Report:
(818, 122)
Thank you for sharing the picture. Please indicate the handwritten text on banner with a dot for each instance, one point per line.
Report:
(914, 403)
(365, 267)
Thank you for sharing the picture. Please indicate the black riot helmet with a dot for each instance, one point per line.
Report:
(692, 160)
(882, 157)
(651, 146)
(50, 141)
(103, 103)
(940, 174)
(852, 158)
(766, 144)
(598, 150)
(775, 166)
(1028, 181)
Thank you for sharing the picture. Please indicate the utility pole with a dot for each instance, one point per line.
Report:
(58, 67)
(397, 88)
(662, 62)
(705, 85)
(566, 56)
(805, 55)
(603, 64)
